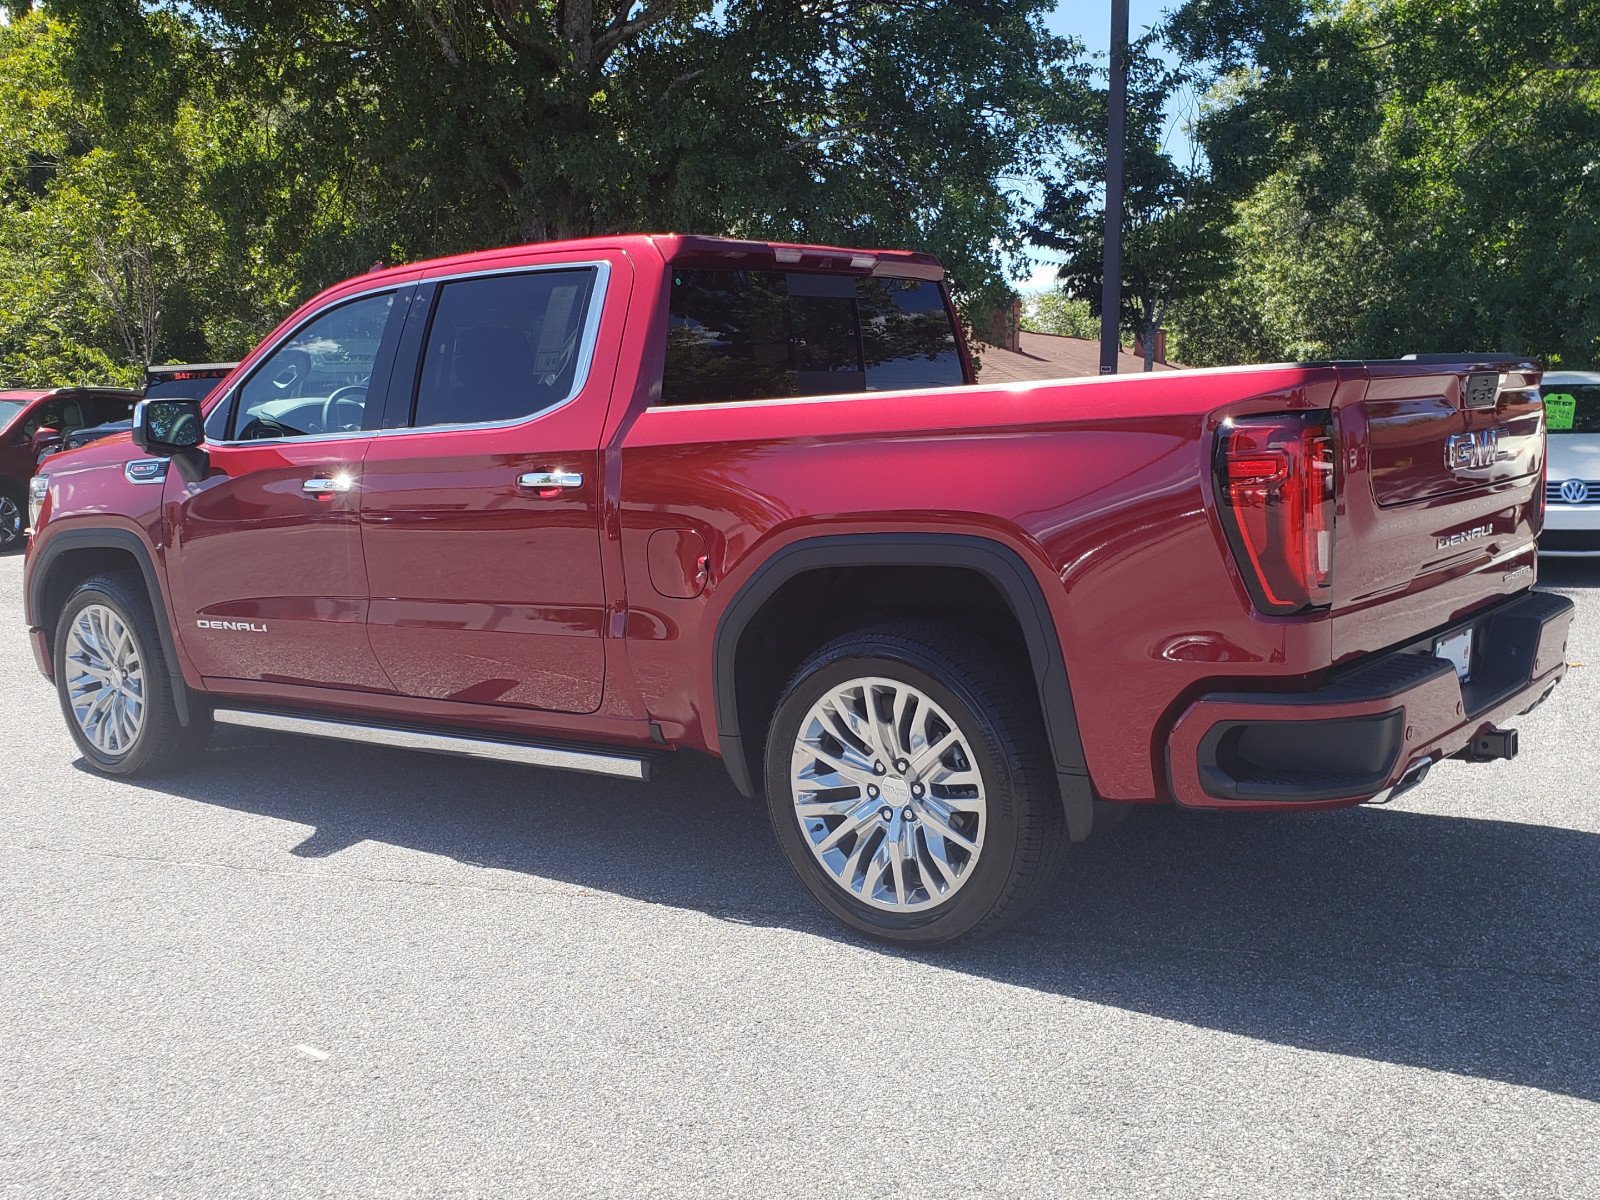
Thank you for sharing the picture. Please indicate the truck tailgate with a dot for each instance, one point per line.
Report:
(1441, 499)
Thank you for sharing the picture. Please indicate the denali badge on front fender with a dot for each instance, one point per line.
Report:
(1472, 451)
(236, 626)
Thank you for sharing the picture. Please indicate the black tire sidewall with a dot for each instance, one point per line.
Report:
(140, 629)
(980, 894)
(19, 497)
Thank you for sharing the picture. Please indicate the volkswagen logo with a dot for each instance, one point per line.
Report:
(1574, 491)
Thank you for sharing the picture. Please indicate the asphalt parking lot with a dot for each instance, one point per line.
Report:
(311, 969)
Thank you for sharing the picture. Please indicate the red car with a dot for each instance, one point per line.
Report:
(585, 504)
(33, 423)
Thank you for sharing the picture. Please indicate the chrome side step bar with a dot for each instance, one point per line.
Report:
(619, 763)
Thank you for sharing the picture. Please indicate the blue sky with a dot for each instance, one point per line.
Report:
(1090, 20)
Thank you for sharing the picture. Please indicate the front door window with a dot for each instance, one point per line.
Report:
(316, 382)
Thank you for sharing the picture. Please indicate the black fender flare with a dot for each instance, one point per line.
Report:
(999, 564)
(113, 539)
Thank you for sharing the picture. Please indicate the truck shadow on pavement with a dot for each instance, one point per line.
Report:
(1460, 945)
(1564, 574)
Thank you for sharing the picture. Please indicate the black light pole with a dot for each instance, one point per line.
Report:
(1116, 148)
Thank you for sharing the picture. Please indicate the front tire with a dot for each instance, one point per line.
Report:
(13, 517)
(112, 681)
(909, 784)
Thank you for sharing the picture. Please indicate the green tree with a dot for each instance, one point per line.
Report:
(111, 255)
(1058, 313)
(1410, 175)
(404, 128)
(1170, 220)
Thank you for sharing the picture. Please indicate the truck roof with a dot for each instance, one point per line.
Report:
(673, 247)
(29, 395)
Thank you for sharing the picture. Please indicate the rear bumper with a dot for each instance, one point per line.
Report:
(1358, 735)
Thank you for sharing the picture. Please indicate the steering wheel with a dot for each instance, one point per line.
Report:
(353, 394)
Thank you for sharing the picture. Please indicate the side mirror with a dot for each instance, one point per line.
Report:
(167, 427)
(172, 429)
(45, 441)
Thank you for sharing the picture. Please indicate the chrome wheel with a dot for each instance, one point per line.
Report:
(10, 522)
(104, 679)
(888, 795)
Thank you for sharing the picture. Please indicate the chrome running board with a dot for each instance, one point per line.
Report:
(618, 764)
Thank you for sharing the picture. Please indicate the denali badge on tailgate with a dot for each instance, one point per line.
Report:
(1462, 536)
(1472, 451)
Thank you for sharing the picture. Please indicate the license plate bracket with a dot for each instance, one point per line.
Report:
(1457, 649)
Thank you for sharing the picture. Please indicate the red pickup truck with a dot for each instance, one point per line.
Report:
(584, 504)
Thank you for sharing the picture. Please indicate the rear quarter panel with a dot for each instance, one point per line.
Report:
(1101, 486)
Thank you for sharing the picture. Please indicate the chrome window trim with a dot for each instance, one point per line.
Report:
(586, 347)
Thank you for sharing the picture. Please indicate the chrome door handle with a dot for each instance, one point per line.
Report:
(538, 481)
(335, 485)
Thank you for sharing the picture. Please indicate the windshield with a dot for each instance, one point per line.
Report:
(185, 386)
(8, 412)
(1572, 407)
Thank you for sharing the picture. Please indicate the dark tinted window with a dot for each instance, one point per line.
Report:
(503, 347)
(100, 410)
(758, 335)
(46, 416)
(1572, 407)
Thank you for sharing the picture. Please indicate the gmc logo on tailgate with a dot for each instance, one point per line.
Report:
(1472, 451)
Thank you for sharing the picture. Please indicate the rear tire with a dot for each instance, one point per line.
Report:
(112, 681)
(910, 785)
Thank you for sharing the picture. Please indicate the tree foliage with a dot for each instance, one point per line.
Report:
(1409, 175)
(113, 250)
(1170, 226)
(1058, 313)
(207, 162)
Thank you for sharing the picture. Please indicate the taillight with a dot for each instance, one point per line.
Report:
(1275, 484)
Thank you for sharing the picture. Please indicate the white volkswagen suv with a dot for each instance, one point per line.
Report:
(1572, 493)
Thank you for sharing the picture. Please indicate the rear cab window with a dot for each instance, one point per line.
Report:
(736, 335)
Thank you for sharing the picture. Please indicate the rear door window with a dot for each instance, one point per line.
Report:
(762, 335)
(503, 347)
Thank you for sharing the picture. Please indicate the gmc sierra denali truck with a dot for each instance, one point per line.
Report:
(581, 505)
